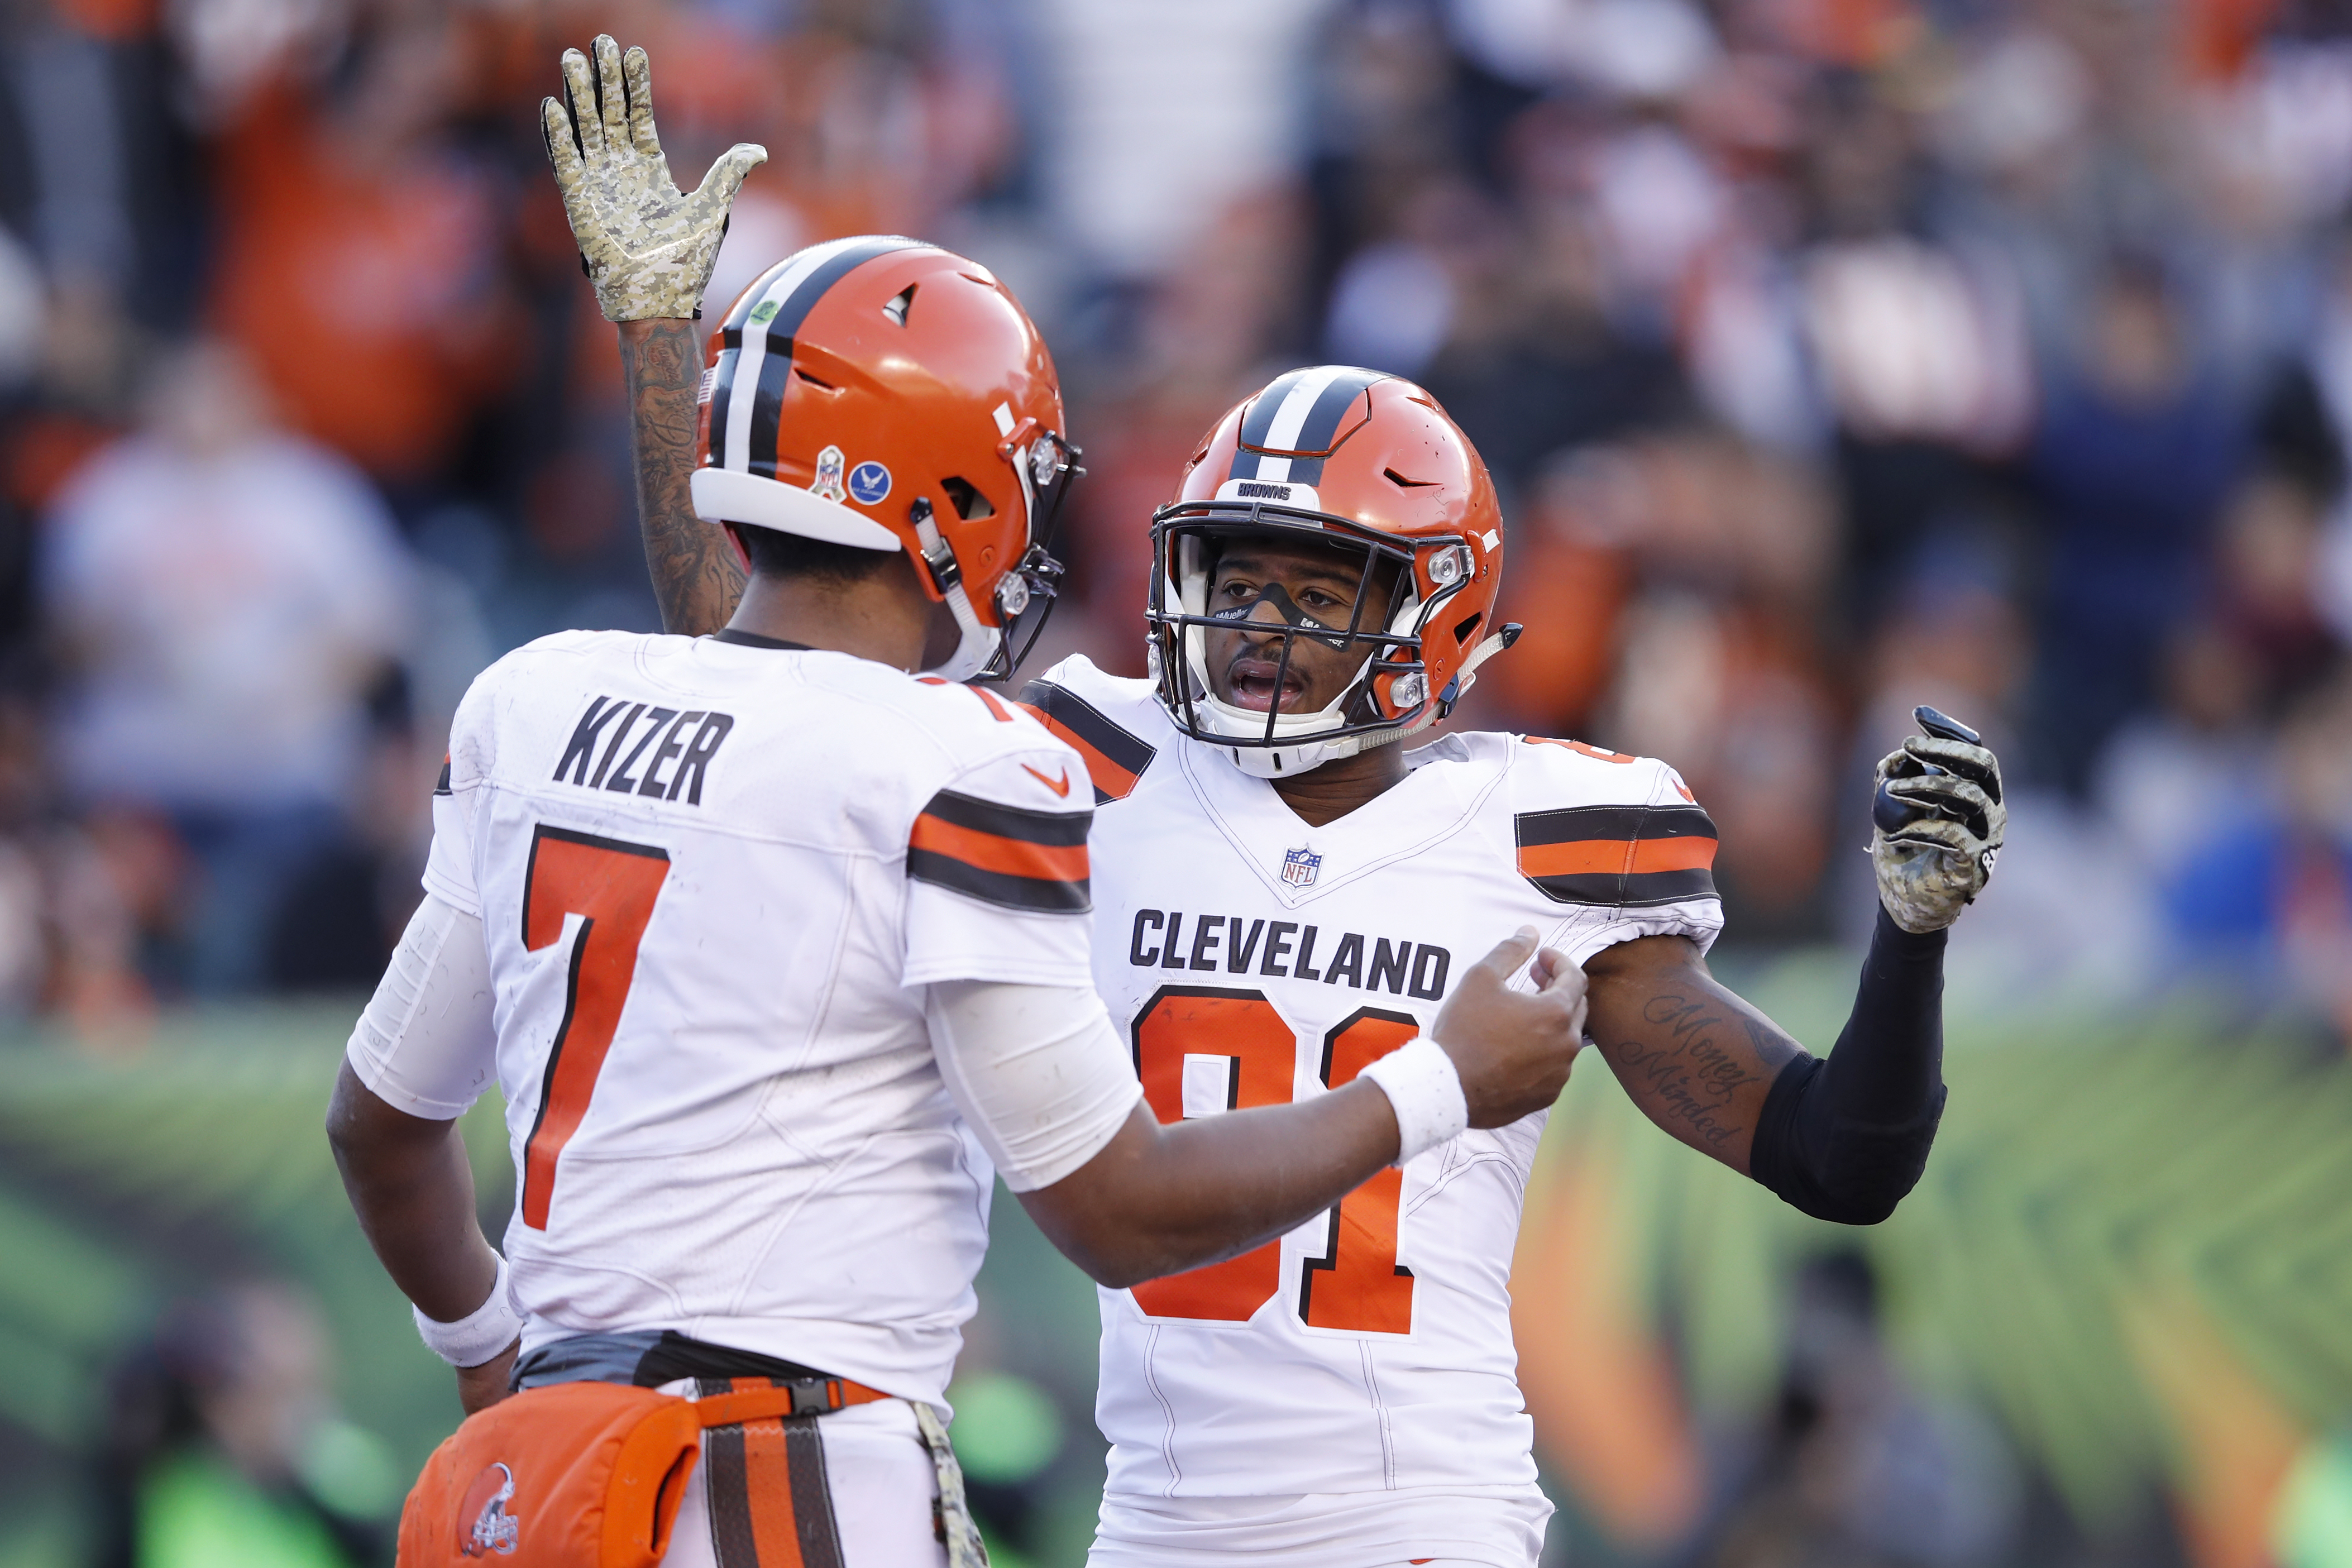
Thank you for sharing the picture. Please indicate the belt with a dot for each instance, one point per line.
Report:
(650, 1359)
(721, 1401)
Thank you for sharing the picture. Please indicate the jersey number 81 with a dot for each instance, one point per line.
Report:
(1358, 1284)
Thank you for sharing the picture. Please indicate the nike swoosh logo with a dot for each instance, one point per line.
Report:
(1060, 786)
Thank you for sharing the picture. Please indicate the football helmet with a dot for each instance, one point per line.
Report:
(1361, 462)
(882, 392)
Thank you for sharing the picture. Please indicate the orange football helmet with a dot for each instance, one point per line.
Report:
(1360, 461)
(882, 392)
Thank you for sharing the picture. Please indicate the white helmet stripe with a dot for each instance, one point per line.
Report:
(1291, 418)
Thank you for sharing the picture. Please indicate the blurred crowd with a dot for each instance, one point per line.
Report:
(1832, 356)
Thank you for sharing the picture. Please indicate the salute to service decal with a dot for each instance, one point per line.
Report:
(687, 742)
(1618, 856)
(827, 483)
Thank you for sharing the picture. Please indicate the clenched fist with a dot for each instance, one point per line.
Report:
(1937, 823)
(1512, 1049)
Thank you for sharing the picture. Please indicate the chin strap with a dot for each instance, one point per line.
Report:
(1489, 648)
(1467, 675)
(973, 645)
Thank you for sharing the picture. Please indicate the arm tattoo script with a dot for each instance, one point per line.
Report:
(1686, 1077)
(696, 577)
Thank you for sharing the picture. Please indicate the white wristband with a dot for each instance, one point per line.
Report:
(481, 1334)
(1419, 1079)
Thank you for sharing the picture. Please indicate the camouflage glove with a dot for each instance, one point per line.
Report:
(648, 249)
(1936, 822)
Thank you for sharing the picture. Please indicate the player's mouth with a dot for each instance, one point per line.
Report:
(1260, 684)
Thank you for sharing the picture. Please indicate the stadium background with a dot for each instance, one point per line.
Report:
(1834, 355)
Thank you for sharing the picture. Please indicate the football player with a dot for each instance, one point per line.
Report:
(779, 954)
(1284, 889)
(1285, 893)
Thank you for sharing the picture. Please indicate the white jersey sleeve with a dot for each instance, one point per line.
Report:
(1037, 1070)
(997, 876)
(427, 1044)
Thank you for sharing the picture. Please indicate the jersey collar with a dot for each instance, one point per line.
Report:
(1431, 803)
(755, 639)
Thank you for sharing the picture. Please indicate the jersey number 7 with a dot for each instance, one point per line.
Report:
(611, 887)
(1358, 1284)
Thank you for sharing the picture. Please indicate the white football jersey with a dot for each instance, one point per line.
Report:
(715, 877)
(1253, 960)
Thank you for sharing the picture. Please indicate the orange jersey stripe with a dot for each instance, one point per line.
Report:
(1616, 856)
(1006, 857)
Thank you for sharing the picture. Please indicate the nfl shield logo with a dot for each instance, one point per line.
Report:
(1299, 867)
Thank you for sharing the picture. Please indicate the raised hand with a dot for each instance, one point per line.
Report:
(647, 249)
(1512, 1048)
(1936, 824)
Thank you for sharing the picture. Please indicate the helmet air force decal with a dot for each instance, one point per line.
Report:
(1299, 865)
(870, 483)
(827, 484)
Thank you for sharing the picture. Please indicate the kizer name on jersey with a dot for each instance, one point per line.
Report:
(691, 736)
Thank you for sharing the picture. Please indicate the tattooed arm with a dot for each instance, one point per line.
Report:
(696, 575)
(1842, 1137)
(1697, 1060)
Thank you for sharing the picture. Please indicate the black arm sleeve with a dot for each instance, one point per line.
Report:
(1844, 1137)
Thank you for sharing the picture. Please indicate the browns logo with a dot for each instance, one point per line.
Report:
(487, 1525)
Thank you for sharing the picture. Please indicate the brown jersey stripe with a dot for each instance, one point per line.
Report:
(1037, 895)
(1056, 829)
(1584, 822)
(1615, 892)
(1110, 781)
(1114, 758)
(935, 836)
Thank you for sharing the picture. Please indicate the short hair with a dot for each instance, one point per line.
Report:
(775, 553)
